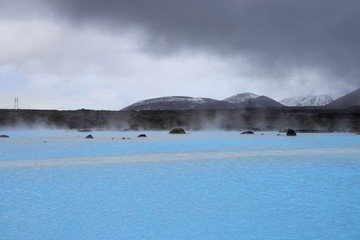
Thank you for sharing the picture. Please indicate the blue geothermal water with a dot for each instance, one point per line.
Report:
(203, 185)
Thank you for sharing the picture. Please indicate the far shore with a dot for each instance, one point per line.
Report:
(255, 119)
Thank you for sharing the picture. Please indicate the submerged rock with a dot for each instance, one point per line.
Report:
(177, 131)
(290, 132)
(142, 135)
(89, 136)
(247, 132)
(4, 136)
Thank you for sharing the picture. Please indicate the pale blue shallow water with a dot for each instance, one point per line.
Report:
(203, 185)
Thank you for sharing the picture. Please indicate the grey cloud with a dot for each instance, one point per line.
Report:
(320, 34)
(276, 36)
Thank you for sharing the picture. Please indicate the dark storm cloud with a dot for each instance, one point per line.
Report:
(319, 34)
(277, 36)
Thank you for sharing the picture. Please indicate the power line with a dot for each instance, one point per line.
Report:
(16, 103)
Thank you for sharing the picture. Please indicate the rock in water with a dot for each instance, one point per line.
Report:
(142, 135)
(177, 131)
(290, 132)
(4, 136)
(247, 132)
(89, 136)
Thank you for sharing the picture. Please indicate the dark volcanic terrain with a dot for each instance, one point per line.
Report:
(304, 119)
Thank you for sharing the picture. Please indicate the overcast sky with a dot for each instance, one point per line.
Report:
(106, 54)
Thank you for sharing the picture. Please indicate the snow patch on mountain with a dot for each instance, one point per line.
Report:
(172, 99)
(252, 100)
(241, 97)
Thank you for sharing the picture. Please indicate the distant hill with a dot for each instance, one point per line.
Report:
(178, 103)
(309, 101)
(252, 100)
(348, 101)
(241, 98)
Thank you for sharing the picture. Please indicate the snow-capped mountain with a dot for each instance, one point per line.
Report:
(252, 100)
(309, 101)
(178, 103)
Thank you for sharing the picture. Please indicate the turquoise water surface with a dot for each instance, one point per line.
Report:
(55, 184)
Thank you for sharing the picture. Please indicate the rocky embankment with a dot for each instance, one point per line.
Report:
(303, 119)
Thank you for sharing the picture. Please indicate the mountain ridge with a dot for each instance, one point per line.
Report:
(252, 100)
(245, 100)
(241, 100)
(309, 100)
(349, 100)
(177, 103)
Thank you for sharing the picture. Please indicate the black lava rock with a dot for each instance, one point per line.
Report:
(247, 132)
(177, 131)
(290, 132)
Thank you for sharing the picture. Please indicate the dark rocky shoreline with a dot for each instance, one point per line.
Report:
(255, 119)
